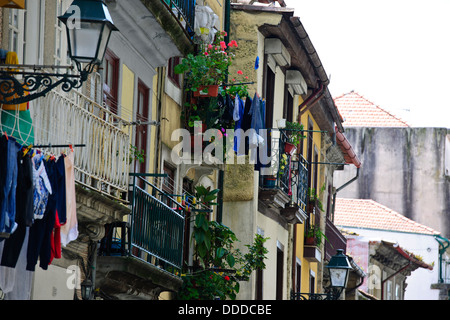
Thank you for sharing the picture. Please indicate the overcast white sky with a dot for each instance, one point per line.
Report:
(395, 53)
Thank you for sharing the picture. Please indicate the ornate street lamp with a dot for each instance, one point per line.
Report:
(88, 37)
(89, 26)
(339, 268)
(86, 289)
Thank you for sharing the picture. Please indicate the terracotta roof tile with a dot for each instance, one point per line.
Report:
(366, 213)
(357, 111)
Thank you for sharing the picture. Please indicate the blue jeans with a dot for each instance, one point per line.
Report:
(8, 206)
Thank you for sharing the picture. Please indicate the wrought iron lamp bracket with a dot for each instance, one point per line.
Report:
(33, 85)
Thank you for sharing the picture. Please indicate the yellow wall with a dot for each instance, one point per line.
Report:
(305, 264)
(127, 93)
(154, 110)
(218, 6)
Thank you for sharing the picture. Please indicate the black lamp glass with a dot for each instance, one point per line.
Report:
(89, 26)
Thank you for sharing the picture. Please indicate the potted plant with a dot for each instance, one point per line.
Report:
(294, 132)
(314, 198)
(314, 236)
(270, 181)
(283, 164)
(209, 68)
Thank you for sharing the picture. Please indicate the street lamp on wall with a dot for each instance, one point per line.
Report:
(339, 268)
(89, 27)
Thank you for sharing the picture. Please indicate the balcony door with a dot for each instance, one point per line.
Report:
(142, 130)
(111, 82)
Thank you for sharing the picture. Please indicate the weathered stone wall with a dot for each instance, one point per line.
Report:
(403, 169)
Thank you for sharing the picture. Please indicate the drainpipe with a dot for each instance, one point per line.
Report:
(392, 275)
(311, 100)
(339, 189)
(442, 247)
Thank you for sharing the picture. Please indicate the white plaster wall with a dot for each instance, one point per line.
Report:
(425, 246)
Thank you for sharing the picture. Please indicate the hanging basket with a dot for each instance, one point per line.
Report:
(289, 148)
(213, 91)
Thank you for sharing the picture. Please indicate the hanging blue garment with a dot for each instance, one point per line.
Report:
(9, 184)
(238, 134)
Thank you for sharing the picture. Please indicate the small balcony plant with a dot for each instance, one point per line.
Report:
(218, 265)
(294, 132)
(208, 68)
(314, 236)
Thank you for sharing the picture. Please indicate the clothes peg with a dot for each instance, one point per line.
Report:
(25, 151)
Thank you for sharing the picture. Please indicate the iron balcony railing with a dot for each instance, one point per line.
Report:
(61, 118)
(291, 170)
(184, 11)
(157, 225)
(300, 182)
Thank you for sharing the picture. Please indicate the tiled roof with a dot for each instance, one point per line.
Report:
(366, 213)
(357, 111)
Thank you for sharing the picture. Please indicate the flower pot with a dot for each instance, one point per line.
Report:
(213, 91)
(289, 148)
(270, 182)
(310, 241)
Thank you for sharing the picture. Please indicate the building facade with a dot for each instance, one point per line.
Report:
(136, 204)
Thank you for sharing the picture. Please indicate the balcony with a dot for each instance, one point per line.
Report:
(313, 235)
(183, 11)
(103, 164)
(287, 188)
(138, 260)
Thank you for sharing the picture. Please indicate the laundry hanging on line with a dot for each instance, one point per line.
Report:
(37, 202)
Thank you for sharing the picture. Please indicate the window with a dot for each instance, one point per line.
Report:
(312, 282)
(111, 81)
(398, 294)
(61, 55)
(279, 275)
(16, 32)
(298, 276)
(310, 150)
(316, 169)
(389, 290)
(142, 130)
(174, 77)
(269, 93)
(168, 182)
(288, 108)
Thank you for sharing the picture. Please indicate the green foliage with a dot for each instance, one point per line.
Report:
(136, 154)
(314, 197)
(294, 132)
(315, 232)
(209, 66)
(206, 196)
(219, 266)
(283, 164)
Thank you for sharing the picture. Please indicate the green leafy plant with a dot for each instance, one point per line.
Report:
(226, 266)
(136, 154)
(294, 131)
(317, 234)
(314, 197)
(219, 266)
(210, 65)
(283, 164)
(206, 195)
